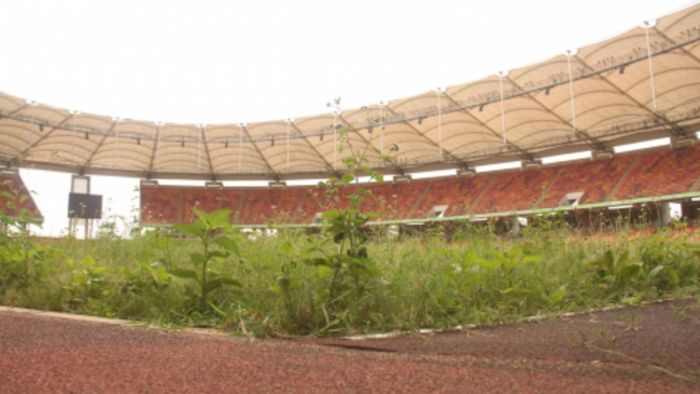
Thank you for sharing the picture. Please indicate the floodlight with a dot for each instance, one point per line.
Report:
(648, 24)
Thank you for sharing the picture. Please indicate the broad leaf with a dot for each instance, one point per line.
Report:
(219, 218)
(193, 229)
(228, 244)
(185, 274)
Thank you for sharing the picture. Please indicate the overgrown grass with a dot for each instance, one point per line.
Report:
(290, 286)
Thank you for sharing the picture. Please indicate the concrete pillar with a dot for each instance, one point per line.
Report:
(515, 225)
(665, 213)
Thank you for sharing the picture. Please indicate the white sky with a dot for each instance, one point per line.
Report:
(225, 61)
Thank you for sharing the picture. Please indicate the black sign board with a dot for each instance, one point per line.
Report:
(84, 206)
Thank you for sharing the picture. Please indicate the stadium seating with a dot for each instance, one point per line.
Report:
(660, 173)
(596, 179)
(641, 174)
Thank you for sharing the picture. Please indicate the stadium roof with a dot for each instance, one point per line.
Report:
(638, 85)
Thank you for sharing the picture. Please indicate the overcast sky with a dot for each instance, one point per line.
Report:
(225, 61)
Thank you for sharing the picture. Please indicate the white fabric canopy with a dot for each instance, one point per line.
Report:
(640, 84)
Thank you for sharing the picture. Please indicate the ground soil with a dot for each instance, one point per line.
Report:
(652, 349)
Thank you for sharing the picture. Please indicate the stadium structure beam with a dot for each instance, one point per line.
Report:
(206, 151)
(523, 152)
(153, 152)
(328, 165)
(681, 48)
(274, 174)
(592, 141)
(369, 143)
(9, 114)
(456, 159)
(99, 145)
(675, 129)
(25, 152)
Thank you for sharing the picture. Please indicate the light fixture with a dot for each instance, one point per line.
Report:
(277, 184)
(468, 171)
(214, 185)
(619, 207)
(149, 182)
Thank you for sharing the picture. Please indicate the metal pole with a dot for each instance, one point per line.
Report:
(651, 67)
(571, 91)
(381, 129)
(288, 124)
(439, 92)
(240, 146)
(199, 148)
(335, 139)
(503, 112)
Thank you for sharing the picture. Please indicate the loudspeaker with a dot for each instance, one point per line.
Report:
(84, 206)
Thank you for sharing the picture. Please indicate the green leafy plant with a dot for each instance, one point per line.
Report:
(217, 244)
(86, 282)
(21, 258)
